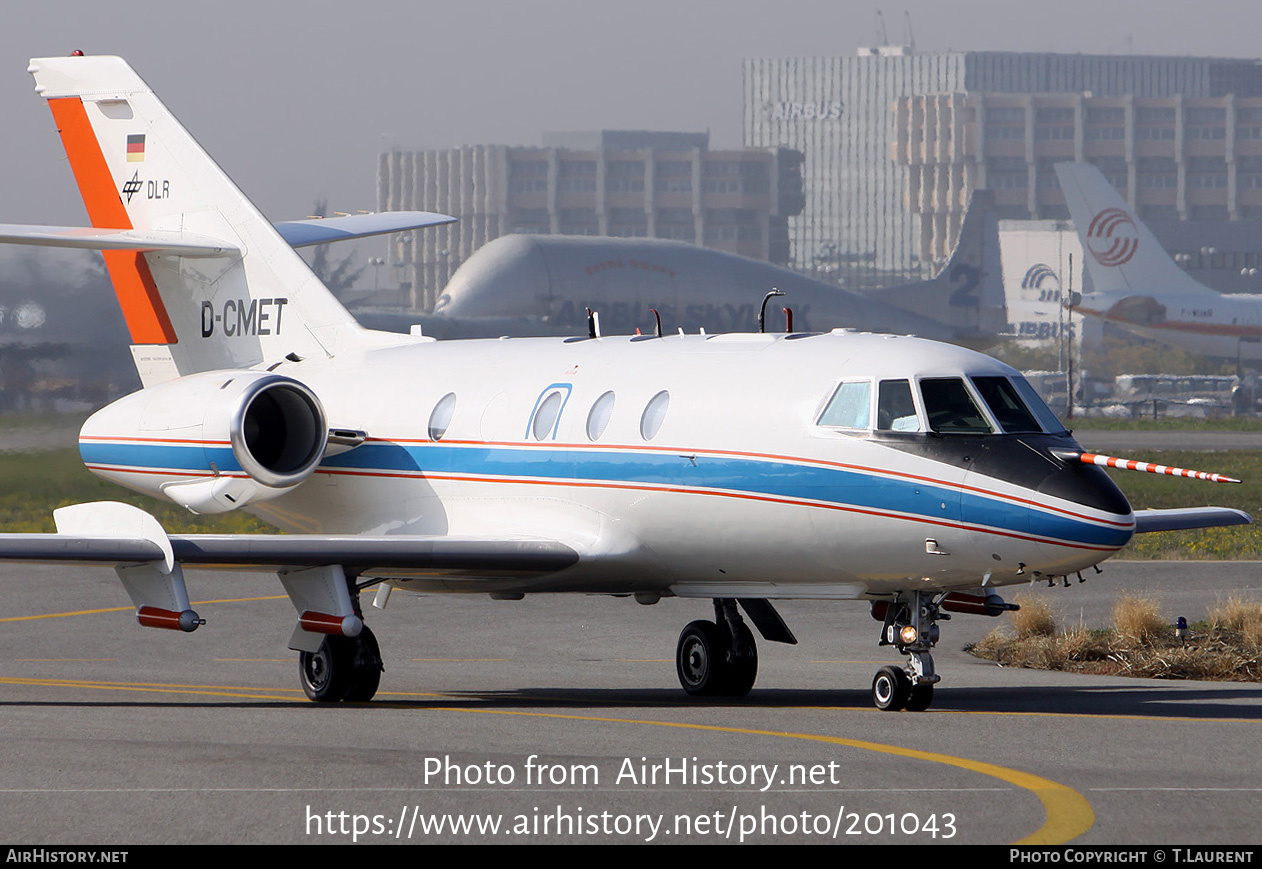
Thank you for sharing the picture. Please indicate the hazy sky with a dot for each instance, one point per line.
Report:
(295, 99)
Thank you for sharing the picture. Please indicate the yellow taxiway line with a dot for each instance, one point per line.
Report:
(1067, 814)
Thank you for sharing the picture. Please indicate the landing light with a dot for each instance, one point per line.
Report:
(909, 634)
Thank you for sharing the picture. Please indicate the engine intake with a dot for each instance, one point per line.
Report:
(280, 433)
(211, 442)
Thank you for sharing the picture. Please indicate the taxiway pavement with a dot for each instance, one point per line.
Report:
(119, 735)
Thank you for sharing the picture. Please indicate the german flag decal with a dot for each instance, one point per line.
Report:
(136, 148)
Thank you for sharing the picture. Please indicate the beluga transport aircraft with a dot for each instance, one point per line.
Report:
(1139, 288)
(742, 468)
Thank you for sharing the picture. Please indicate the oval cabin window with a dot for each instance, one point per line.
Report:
(543, 426)
(598, 417)
(654, 414)
(440, 417)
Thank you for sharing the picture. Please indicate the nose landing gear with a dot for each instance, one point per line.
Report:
(910, 626)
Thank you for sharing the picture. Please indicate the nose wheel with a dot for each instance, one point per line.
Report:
(890, 689)
(717, 658)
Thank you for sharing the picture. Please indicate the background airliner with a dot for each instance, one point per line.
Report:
(1138, 287)
(529, 285)
(740, 468)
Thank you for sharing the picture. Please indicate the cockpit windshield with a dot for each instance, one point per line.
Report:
(895, 409)
(950, 408)
(1038, 407)
(1005, 405)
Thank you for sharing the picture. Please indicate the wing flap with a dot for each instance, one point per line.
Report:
(397, 555)
(71, 548)
(109, 531)
(375, 554)
(1186, 518)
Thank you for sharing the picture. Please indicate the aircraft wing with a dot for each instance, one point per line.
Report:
(1184, 518)
(393, 555)
(301, 233)
(90, 238)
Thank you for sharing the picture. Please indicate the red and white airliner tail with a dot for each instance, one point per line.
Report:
(1121, 253)
(1138, 287)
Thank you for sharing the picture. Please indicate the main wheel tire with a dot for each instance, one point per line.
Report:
(890, 689)
(365, 668)
(740, 671)
(326, 673)
(701, 659)
(920, 697)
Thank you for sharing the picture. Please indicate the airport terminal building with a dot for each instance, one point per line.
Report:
(628, 184)
(895, 141)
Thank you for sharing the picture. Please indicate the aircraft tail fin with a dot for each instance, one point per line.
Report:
(1121, 254)
(189, 306)
(967, 293)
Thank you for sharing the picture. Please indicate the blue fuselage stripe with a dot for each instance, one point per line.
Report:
(760, 476)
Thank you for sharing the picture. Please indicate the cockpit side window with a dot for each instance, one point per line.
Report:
(951, 410)
(1037, 406)
(895, 409)
(850, 406)
(1006, 405)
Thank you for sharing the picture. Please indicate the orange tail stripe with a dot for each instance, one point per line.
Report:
(146, 316)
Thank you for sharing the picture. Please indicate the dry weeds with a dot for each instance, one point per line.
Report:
(1226, 647)
(1034, 619)
(1138, 621)
(1241, 616)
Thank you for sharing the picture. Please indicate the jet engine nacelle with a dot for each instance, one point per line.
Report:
(211, 442)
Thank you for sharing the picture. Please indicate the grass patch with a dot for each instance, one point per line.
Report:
(1224, 647)
(1099, 423)
(34, 484)
(1160, 491)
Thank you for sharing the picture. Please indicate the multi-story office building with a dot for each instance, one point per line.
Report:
(616, 183)
(894, 143)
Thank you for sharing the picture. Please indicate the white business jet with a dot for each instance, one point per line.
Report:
(1138, 287)
(742, 468)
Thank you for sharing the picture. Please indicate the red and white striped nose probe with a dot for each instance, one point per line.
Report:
(1132, 465)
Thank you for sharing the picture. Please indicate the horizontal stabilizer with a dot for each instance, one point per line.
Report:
(301, 233)
(88, 238)
(1185, 518)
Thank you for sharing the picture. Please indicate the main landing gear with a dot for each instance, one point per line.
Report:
(911, 626)
(344, 663)
(343, 668)
(718, 658)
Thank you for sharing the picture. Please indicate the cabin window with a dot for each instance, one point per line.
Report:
(850, 406)
(654, 413)
(950, 408)
(895, 409)
(440, 417)
(598, 416)
(544, 424)
(1006, 405)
